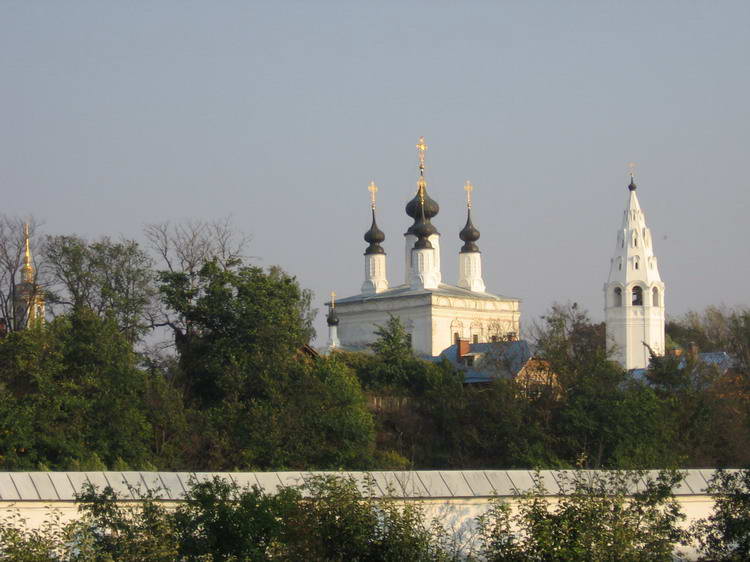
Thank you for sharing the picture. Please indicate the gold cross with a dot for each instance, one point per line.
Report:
(373, 189)
(631, 166)
(421, 147)
(333, 299)
(469, 188)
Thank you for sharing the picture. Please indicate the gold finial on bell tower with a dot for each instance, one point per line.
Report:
(333, 299)
(421, 149)
(468, 188)
(373, 189)
(421, 183)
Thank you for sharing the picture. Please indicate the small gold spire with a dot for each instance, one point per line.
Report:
(468, 188)
(421, 148)
(28, 269)
(421, 187)
(333, 299)
(373, 189)
(631, 167)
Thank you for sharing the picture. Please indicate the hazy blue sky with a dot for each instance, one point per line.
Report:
(116, 114)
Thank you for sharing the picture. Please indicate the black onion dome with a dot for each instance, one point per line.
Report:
(423, 229)
(374, 237)
(632, 185)
(417, 211)
(469, 234)
(332, 319)
(431, 208)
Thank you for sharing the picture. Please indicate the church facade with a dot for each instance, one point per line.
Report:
(434, 313)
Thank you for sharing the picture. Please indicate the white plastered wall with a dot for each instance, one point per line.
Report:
(428, 318)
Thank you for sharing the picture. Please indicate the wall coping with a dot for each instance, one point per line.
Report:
(416, 484)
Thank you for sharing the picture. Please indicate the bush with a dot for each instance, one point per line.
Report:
(725, 535)
(595, 519)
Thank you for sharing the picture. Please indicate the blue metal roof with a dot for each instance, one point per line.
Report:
(492, 360)
(719, 359)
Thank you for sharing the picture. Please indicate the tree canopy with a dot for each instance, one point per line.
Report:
(234, 384)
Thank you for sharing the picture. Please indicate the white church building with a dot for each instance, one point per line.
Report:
(437, 315)
(434, 313)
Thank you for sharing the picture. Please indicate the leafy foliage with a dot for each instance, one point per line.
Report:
(597, 516)
(238, 388)
(725, 534)
(112, 279)
(73, 392)
(604, 516)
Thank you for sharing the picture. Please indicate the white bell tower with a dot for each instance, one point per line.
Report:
(634, 293)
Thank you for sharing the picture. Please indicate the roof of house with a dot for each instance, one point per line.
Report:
(503, 359)
(719, 359)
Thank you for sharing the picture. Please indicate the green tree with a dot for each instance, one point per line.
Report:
(482, 426)
(596, 517)
(220, 521)
(715, 329)
(313, 416)
(392, 343)
(394, 369)
(238, 326)
(725, 534)
(111, 529)
(254, 398)
(602, 414)
(112, 279)
(338, 523)
(73, 390)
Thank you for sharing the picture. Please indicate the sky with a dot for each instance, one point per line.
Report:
(114, 115)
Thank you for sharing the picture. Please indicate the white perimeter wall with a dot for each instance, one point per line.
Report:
(455, 498)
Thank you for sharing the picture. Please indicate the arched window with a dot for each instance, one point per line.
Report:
(618, 296)
(476, 332)
(457, 329)
(655, 297)
(637, 296)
